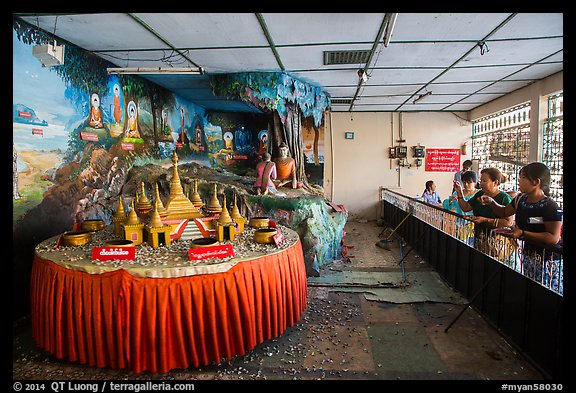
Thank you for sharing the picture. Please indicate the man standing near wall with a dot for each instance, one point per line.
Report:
(466, 166)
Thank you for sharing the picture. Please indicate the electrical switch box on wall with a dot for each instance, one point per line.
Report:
(418, 151)
(401, 151)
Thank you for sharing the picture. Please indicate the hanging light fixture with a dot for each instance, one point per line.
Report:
(421, 96)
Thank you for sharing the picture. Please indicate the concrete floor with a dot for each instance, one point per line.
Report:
(341, 336)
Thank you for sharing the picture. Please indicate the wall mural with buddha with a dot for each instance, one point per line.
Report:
(78, 132)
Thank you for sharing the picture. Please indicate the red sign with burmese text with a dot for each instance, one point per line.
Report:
(220, 251)
(442, 160)
(111, 253)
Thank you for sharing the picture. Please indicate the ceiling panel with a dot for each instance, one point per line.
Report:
(235, 60)
(312, 57)
(445, 26)
(501, 53)
(457, 88)
(309, 28)
(205, 30)
(403, 90)
(529, 25)
(142, 58)
(438, 52)
(506, 86)
(538, 71)
(480, 97)
(478, 74)
(99, 31)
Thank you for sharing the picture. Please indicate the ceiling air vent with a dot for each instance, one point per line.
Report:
(346, 57)
(341, 101)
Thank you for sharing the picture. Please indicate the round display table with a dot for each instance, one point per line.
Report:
(163, 311)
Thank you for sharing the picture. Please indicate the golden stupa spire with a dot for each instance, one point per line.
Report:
(214, 204)
(120, 209)
(158, 203)
(178, 205)
(195, 196)
(143, 204)
(155, 221)
(224, 216)
(132, 217)
(235, 210)
(175, 185)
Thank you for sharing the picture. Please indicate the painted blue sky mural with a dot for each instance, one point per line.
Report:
(29, 80)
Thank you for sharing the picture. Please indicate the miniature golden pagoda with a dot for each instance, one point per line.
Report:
(157, 233)
(119, 217)
(178, 205)
(162, 211)
(132, 229)
(195, 196)
(225, 226)
(143, 206)
(213, 207)
(237, 217)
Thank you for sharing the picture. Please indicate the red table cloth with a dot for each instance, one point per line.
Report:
(118, 320)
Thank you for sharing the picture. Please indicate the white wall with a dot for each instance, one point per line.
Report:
(361, 165)
(355, 169)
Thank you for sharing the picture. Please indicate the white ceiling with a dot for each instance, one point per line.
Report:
(428, 52)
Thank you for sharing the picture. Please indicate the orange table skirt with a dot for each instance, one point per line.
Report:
(118, 320)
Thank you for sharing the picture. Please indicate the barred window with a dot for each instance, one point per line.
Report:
(553, 146)
(502, 140)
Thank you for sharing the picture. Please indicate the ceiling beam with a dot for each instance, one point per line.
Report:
(501, 79)
(270, 40)
(157, 35)
(377, 40)
(508, 19)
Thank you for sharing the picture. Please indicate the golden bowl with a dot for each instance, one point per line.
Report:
(259, 222)
(264, 235)
(92, 225)
(76, 238)
(119, 243)
(203, 242)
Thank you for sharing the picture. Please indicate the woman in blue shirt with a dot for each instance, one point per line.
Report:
(430, 195)
(468, 180)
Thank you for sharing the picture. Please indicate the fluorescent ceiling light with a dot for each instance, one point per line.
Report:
(389, 28)
(156, 70)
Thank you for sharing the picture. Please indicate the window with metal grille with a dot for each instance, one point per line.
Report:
(502, 140)
(553, 146)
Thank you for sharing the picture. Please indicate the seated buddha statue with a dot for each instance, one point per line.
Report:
(285, 167)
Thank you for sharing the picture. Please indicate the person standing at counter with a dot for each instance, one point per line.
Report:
(490, 179)
(430, 195)
(538, 221)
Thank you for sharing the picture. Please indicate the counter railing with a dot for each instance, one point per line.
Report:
(518, 292)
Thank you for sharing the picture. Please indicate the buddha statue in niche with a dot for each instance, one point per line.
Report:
(285, 167)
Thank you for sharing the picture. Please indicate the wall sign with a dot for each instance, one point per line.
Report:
(348, 135)
(442, 160)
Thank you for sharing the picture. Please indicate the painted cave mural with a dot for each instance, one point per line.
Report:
(78, 133)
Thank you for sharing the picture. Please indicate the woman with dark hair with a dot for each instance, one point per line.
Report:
(430, 195)
(468, 180)
(538, 220)
(490, 179)
(484, 218)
